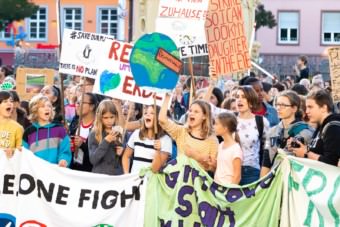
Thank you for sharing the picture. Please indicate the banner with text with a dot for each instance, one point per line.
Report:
(185, 195)
(311, 194)
(183, 21)
(226, 38)
(105, 59)
(334, 68)
(36, 193)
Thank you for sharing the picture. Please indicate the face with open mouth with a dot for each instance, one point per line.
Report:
(241, 102)
(148, 116)
(45, 111)
(195, 116)
(6, 108)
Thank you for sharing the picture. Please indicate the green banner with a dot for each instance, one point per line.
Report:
(184, 195)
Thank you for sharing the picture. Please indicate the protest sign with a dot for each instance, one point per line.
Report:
(30, 81)
(105, 59)
(154, 62)
(227, 42)
(35, 191)
(334, 65)
(311, 193)
(185, 195)
(183, 21)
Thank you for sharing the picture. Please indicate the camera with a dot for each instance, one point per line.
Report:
(294, 143)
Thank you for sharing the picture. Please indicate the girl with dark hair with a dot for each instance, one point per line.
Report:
(248, 129)
(196, 139)
(147, 147)
(229, 156)
(104, 144)
(11, 132)
(80, 152)
(52, 92)
(18, 114)
(290, 126)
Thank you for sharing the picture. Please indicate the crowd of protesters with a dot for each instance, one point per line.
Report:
(234, 130)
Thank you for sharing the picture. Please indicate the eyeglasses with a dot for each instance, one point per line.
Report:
(282, 105)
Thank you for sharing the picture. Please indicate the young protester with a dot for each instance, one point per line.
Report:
(290, 126)
(146, 147)
(252, 132)
(301, 69)
(10, 131)
(104, 142)
(229, 156)
(79, 144)
(18, 114)
(44, 138)
(194, 140)
(325, 143)
(52, 92)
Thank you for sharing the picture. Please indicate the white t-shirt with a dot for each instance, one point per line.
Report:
(225, 157)
(84, 134)
(144, 151)
(249, 138)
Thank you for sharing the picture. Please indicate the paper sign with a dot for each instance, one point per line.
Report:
(168, 60)
(334, 65)
(227, 42)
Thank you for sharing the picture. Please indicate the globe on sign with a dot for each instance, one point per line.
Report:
(109, 81)
(154, 62)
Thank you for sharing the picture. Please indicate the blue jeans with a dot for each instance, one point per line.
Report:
(249, 175)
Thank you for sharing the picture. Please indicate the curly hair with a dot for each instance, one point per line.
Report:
(34, 105)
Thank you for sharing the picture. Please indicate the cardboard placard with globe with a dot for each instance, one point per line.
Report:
(155, 63)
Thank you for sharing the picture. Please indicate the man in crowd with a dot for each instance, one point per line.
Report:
(301, 69)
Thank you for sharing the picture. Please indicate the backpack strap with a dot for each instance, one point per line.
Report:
(260, 127)
(324, 129)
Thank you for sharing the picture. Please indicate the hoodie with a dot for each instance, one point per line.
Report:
(327, 147)
(49, 142)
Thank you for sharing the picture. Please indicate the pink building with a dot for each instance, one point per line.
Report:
(304, 27)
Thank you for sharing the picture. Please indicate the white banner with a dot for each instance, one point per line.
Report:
(311, 194)
(105, 59)
(36, 193)
(183, 22)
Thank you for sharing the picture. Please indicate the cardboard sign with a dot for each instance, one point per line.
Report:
(227, 42)
(183, 21)
(30, 81)
(169, 60)
(334, 65)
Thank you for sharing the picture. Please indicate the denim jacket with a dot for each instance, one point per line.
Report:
(271, 115)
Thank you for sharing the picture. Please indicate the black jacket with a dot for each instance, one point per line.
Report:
(327, 147)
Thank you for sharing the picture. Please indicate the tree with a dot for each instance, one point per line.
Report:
(264, 18)
(15, 10)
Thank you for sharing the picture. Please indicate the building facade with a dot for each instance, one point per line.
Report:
(304, 27)
(40, 32)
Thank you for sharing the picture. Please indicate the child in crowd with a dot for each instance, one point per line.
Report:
(53, 94)
(229, 156)
(10, 131)
(146, 146)
(104, 144)
(45, 139)
(196, 139)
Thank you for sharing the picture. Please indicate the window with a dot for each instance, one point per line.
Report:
(73, 18)
(200, 66)
(6, 34)
(331, 28)
(108, 21)
(288, 27)
(37, 25)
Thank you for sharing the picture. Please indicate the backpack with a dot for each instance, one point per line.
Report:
(324, 129)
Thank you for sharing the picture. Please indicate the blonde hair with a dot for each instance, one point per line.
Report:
(105, 106)
(34, 105)
(207, 122)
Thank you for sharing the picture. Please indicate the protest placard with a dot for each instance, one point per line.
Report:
(107, 61)
(227, 42)
(334, 66)
(30, 81)
(29, 195)
(183, 21)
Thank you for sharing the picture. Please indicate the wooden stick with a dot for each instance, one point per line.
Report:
(127, 119)
(155, 121)
(192, 87)
(80, 115)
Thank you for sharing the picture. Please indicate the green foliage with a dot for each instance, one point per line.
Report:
(264, 18)
(15, 10)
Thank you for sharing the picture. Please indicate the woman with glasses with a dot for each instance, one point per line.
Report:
(290, 128)
(79, 144)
